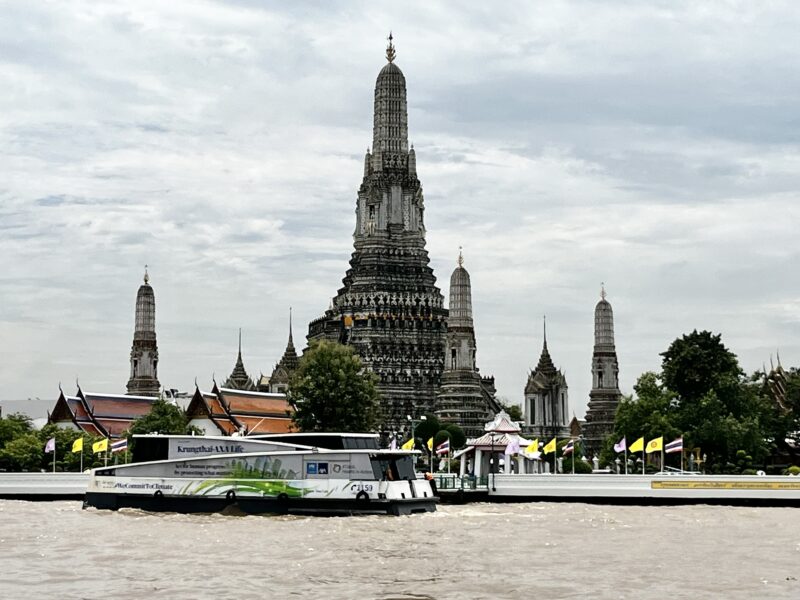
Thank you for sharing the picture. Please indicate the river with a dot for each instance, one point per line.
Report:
(528, 551)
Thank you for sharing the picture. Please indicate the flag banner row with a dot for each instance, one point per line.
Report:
(654, 445)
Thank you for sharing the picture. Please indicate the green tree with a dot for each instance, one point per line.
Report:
(164, 417)
(457, 436)
(514, 411)
(23, 453)
(701, 394)
(426, 429)
(331, 391)
(13, 426)
(697, 363)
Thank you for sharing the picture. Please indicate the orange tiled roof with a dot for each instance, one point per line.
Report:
(266, 425)
(255, 403)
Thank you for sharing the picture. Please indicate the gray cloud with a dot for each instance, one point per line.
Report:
(651, 146)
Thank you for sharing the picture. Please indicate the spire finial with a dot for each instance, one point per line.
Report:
(460, 257)
(146, 275)
(390, 52)
(240, 341)
(603, 290)
(290, 324)
(544, 325)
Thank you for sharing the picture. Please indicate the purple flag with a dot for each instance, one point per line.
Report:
(50, 446)
(512, 447)
(620, 446)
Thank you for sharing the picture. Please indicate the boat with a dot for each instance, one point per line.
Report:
(294, 473)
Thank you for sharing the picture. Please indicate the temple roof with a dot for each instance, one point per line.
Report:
(232, 410)
(104, 415)
(239, 379)
(289, 361)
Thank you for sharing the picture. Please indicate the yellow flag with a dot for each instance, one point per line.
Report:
(637, 446)
(430, 444)
(100, 446)
(533, 446)
(551, 446)
(655, 445)
(409, 445)
(77, 445)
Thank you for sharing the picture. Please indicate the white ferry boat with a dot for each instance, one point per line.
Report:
(284, 473)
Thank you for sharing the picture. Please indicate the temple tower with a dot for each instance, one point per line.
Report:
(546, 398)
(282, 373)
(144, 351)
(389, 308)
(605, 394)
(239, 379)
(461, 399)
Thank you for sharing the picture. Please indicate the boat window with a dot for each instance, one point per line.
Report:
(393, 468)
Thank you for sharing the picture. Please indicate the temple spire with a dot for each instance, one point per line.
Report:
(544, 328)
(144, 350)
(602, 290)
(460, 257)
(291, 343)
(390, 51)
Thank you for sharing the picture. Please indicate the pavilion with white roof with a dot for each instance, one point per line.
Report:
(502, 434)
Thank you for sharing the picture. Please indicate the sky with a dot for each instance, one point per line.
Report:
(651, 146)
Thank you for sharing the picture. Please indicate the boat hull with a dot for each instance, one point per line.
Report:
(256, 505)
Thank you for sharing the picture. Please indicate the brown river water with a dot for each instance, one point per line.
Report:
(540, 551)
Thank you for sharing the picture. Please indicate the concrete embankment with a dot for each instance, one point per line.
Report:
(43, 486)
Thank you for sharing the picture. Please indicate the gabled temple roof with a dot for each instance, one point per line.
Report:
(232, 410)
(104, 415)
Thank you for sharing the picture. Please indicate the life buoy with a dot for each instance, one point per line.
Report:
(362, 496)
(283, 497)
(230, 496)
(159, 494)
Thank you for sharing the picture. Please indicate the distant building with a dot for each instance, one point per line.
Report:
(605, 395)
(100, 415)
(224, 411)
(144, 350)
(546, 399)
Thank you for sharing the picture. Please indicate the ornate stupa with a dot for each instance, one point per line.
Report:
(389, 308)
(144, 350)
(605, 394)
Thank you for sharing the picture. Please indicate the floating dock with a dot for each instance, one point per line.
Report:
(43, 486)
(656, 489)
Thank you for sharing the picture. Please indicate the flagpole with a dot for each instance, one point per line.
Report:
(662, 456)
(573, 460)
(643, 455)
(626, 457)
(54, 454)
(81, 454)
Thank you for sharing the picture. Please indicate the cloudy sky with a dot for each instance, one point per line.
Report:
(652, 146)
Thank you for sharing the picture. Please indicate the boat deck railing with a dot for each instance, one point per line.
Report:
(452, 482)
